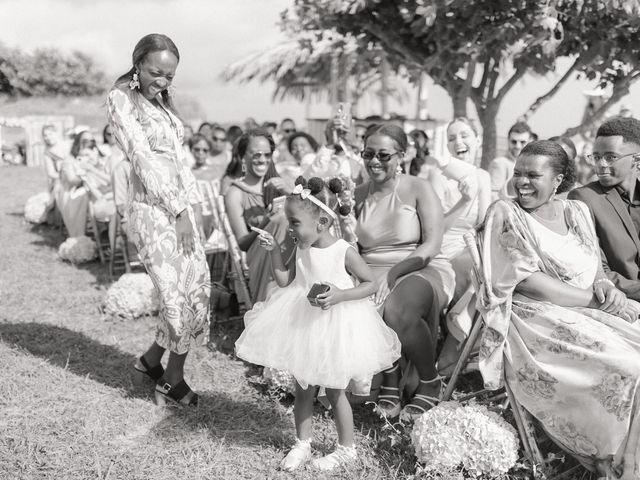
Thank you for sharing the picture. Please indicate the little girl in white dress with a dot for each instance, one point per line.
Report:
(340, 343)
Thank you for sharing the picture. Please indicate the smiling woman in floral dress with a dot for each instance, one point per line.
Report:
(162, 206)
(556, 327)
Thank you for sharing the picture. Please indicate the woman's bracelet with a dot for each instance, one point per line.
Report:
(603, 280)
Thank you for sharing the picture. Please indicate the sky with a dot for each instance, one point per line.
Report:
(211, 34)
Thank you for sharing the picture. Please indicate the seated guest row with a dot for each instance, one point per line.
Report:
(558, 318)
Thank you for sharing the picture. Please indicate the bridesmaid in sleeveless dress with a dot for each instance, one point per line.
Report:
(399, 228)
(247, 200)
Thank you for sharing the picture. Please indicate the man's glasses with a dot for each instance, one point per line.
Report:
(219, 139)
(205, 150)
(384, 157)
(289, 130)
(609, 158)
(258, 155)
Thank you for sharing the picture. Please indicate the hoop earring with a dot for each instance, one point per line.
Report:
(135, 82)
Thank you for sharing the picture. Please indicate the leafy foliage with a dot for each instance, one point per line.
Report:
(478, 50)
(48, 71)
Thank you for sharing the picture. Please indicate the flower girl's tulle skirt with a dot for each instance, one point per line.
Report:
(342, 347)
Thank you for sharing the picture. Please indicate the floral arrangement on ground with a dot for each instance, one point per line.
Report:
(36, 208)
(452, 435)
(78, 249)
(132, 296)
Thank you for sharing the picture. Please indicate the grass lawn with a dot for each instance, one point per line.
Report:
(70, 409)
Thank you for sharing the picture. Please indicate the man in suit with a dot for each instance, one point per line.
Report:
(614, 201)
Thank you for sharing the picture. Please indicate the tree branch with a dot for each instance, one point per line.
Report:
(583, 59)
(620, 89)
(520, 71)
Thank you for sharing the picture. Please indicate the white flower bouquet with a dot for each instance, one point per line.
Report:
(279, 380)
(132, 296)
(78, 249)
(452, 435)
(36, 208)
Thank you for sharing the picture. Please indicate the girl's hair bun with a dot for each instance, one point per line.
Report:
(300, 181)
(315, 184)
(335, 185)
(344, 210)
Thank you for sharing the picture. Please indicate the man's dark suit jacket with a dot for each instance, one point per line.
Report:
(619, 241)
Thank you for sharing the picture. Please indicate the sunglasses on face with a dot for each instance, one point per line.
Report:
(384, 157)
(289, 130)
(218, 139)
(258, 155)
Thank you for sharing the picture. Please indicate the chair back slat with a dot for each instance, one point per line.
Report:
(238, 261)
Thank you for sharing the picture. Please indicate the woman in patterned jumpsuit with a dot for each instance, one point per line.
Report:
(163, 204)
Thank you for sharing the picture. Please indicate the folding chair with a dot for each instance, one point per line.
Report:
(124, 256)
(523, 419)
(216, 246)
(239, 271)
(98, 230)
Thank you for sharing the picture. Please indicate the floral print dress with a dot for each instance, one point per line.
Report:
(161, 186)
(577, 370)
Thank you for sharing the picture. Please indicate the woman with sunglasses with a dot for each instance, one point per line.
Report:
(248, 202)
(399, 228)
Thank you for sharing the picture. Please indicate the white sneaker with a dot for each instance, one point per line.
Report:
(297, 456)
(340, 456)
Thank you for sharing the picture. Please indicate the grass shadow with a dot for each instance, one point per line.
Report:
(249, 422)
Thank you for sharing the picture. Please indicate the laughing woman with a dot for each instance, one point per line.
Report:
(556, 328)
(162, 207)
(400, 227)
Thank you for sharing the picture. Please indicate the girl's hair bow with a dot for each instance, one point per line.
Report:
(305, 194)
(300, 190)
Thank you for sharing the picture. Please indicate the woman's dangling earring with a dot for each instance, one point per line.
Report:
(135, 82)
(244, 167)
(171, 91)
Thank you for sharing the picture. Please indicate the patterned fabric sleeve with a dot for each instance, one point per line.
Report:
(509, 256)
(134, 143)
(191, 186)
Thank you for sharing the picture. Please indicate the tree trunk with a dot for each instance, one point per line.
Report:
(385, 72)
(459, 99)
(487, 118)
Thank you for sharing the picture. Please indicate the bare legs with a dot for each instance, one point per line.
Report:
(174, 373)
(303, 411)
(411, 310)
(154, 354)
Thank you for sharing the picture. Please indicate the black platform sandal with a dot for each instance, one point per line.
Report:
(154, 373)
(177, 393)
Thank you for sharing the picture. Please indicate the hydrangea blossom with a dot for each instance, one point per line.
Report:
(78, 249)
(452, 435)
(35, 210)
(279, 380)
(132, 296)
